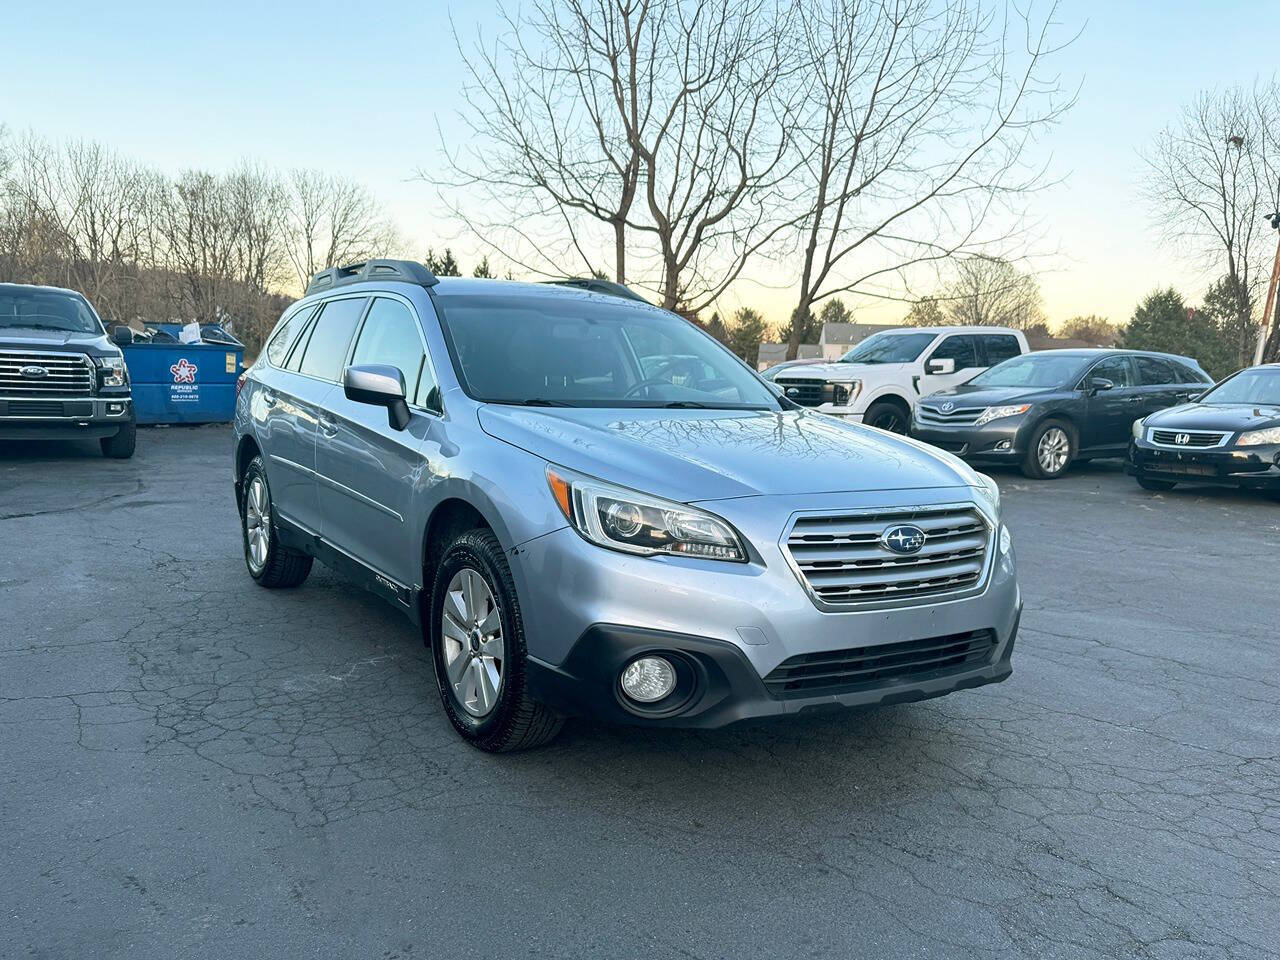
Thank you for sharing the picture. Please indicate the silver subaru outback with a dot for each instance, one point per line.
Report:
(593, 508)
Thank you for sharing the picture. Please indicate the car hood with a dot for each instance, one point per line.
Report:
(689, 455)
(978, 396)
(56, 341)
(842, 371)
(1212, 416)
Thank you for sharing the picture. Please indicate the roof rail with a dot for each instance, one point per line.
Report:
(404, 271)
(595, 285)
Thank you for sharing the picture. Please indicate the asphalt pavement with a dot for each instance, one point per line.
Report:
(192, 766)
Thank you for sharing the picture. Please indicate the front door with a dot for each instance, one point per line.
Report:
(1110, 413)
(960, 348)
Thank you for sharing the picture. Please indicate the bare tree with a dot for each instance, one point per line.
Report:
(988, 291)
(330, 221)
(914, 137)
(1213, 176)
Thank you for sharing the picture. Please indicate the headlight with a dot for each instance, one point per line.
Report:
(841, 392)
(990, 491)
(632, 522)
(996, 413)
(113, 371)
(1137, 429)
(1254, 438)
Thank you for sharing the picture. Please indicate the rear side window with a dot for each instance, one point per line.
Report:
(1000, 348)
(285, 335)
(390, 336)
(1189, 374)
(1152, 371)
(1115, 369)
(960, 349)
(330, 337)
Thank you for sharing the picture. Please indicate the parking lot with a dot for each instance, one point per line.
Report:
(192, 766)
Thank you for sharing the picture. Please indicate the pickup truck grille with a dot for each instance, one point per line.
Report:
(66, 374)
(843, 671)
(845, 563)
(957, 417)
(808, 392)
(1193, 438)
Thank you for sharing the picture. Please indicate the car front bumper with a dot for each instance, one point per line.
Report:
(1248, 467)
(738, 628)
(1000, 441)
(64, 418)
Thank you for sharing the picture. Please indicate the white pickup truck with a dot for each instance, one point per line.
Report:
(880, 380)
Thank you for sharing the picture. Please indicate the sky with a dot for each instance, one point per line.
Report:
(365, 92)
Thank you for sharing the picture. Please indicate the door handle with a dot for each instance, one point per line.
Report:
(327, 426)
(268, 398)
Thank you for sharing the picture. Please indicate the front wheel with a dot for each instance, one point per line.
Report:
(122, 444)
(1051, 450)
(478, 646)
(888, 416)
(1155, 486)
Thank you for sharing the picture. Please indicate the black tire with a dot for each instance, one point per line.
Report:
(1156, 486)
(515, 721)
(1058, 435)
(281, 566)
(887, 415)
(122, 445)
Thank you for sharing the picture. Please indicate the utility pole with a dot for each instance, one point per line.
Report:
(1269, 308)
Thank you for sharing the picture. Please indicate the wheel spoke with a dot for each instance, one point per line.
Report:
(471, 594)
(492, 647)
(457, 667)
(453, 630)
(487, 687)
(492, 622)
(455, 606)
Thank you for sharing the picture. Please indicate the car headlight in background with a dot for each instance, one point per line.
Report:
(1254, 438)
(841, 392)
(1137, 429)
(111, 371)
(632, 522)
(997, 413)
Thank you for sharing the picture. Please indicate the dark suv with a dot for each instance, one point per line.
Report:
(61, 378)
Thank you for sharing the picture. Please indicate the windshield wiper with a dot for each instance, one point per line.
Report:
(689, 404)
(543, 402)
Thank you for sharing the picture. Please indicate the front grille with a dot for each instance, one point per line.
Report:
(808, 392)
(858, 668)
(949, 418)
(1187, 438)
(66, 374)
(75, 409)
(843, 561)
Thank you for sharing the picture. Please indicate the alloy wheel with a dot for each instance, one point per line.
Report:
(257, 524)
(890, 422)
(474, 651)
(1053, 450)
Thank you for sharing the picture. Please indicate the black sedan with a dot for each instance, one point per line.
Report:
(1044, 410)
(1230, 435)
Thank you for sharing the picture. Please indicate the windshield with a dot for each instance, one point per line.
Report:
(1250, 386)
(47, 310)
(889, 348)
(591, 352)
(1032, 370)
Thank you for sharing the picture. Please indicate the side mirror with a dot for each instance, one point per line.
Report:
(1195, 395)
(946, 365)
(380, 385)
(121, 335)
(1098, 384)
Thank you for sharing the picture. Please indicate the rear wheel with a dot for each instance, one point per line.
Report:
(121, 446)
(887, 415)
(478, 647)
(1051, 450)
(270, 562)
(1155, 485)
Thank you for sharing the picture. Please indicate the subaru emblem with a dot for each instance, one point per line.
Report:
(948, 407)
(1182, 439)
(905, 538)
(33, 372)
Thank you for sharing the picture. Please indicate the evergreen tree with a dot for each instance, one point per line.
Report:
(443, 265)
(483, 270)
(745, 334)
(925, 312)
(1164, 322)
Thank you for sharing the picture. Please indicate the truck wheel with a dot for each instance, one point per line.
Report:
(478, 646)
(887, 415)
(270, 562)
(121, 446)
(1051, 450)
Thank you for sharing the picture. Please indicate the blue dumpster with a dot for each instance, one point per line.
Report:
(184, 382)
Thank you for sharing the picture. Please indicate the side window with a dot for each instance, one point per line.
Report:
(390, 335)
(286, 333)
(960, 349)
(1115, 369)
(1000, 348)
(1152, 371)
(330, 337)
(1188, 374)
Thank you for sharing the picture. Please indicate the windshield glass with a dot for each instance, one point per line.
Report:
(591, 352)
(889, 348)
(1250, 386)
(1032, 370)
(47, 310)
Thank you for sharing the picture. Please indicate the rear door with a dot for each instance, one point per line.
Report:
(1158, 382)
(367, 470)
(960, 347)
(998, 347)
(1109, 414)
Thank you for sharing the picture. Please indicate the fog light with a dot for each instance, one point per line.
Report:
(1004, 445)
(648, 679)
(114, 407)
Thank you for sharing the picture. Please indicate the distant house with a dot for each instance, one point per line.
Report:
(774, 353)
(837, 339)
